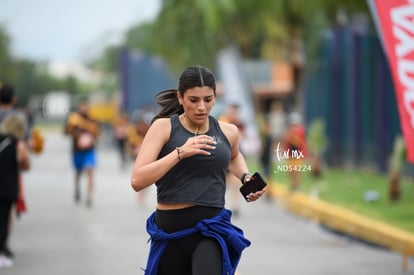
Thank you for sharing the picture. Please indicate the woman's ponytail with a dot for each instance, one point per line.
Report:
(169, 104)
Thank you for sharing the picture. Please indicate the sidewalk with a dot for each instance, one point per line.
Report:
(57, 237)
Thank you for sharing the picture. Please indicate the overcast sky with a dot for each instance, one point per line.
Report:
(66, 30)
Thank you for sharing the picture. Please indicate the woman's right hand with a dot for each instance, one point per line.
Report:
(197, 145)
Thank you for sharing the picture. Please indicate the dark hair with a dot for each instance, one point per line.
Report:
(194, 76)
(6, 93)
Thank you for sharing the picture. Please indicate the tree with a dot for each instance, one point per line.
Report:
(192, 32)
(25, 79)
(108, 61)
(29, 77)
(7, 68)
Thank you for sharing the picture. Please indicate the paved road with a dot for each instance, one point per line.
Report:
(57, 237)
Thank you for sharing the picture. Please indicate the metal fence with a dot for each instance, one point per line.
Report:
(350, 87)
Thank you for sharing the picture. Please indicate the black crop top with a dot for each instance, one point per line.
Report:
(199, 179)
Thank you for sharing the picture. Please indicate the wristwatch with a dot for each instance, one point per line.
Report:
(243, 177)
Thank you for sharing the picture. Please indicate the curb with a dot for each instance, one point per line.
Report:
(346, 221)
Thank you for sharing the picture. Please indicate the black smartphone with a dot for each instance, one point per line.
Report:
(256, 184)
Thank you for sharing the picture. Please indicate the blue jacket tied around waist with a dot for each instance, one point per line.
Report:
(230, 238)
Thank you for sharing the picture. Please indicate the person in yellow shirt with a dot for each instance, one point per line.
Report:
(84, 132)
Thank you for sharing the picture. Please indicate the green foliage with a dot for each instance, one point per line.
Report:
(347, 189)
(32, 78)
(316, 138)
(188, 32)
(108, 60)
(8, 71)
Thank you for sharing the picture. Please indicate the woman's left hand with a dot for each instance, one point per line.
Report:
(255, 196)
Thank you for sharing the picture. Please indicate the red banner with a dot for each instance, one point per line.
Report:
(395, 23)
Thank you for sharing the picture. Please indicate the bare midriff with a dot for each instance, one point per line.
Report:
(164, 206)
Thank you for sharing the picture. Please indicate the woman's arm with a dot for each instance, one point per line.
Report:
(238, 165)
(147, 168)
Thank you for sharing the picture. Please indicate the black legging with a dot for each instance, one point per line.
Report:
(5, 207)
(191, 255)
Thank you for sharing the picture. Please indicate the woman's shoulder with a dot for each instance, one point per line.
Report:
(229, 129)
(161, 122)
(161, 126)
(227, 126)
